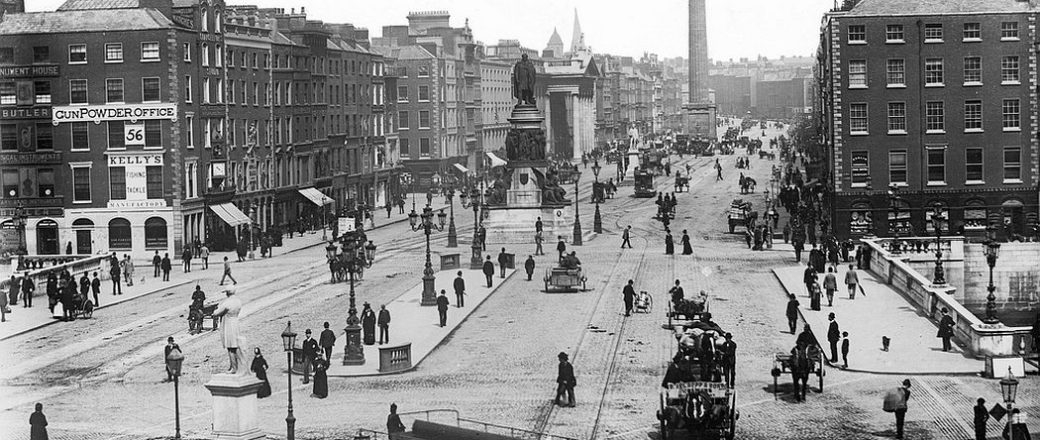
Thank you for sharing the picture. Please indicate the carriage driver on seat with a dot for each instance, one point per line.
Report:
(571, 261)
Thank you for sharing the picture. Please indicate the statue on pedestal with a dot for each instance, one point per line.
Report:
(523, 81)
(552, 193)
(230, 332)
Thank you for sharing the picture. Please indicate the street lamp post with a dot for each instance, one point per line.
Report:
(453, 240)
(474, 202)
(424, 222)
(174, 361)
(577, 220)
(1008, 390)
(353, 353)
(324, 222)
(597, 221)
(992, 250)
(288, 343)
(20, 219)
(893, 201)
(939, 276)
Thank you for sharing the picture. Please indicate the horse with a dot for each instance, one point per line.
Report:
(801, 366)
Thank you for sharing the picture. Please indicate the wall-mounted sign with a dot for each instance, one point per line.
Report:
(136, 203)
(25, 113)
(133, 134)
(125, 160)
(29, 158)
(113, 112)
(135, 171)
(29, 71)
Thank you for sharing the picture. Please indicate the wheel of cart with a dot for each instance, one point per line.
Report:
(782, 363)
(644, 302)
(87, 309)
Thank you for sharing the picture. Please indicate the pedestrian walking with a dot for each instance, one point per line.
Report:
(678, 295)
(186, 259)
(259, 368)
(84, 286)
(538, 225)
(809, 278)
(830, 284)
(896, 402)
(321, 380)
(38, 424)
(845, 349)
(561, 246)
(686, 248)
(460, 290)
(852, 281)
(489, 270)
(565, 381)
(393, 422)
(799, 246)
(629, 294)
(442, 307)
(4, 310)
(13, 289)
(95, 287)
(729, 360)
(156, 262)
(326, 340)
(503, 259)
(310, 353)
(204, 255)
(625, 237)
(384, 325)
(981, 418)
(128, 272)
(52, 291)
(368, 324)
(28, 289)
(166, 266)
(538, 243)
(170, 346)
(833, 336)
(389, 208)
(945, 329)
(718, 170)
(792, 312)
(669, 243)
(529, 266)
(227, 273)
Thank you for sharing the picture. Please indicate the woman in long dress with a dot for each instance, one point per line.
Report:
(321, 381)
(686, 249)
(669, 244)
(259, 368)
(368, 324)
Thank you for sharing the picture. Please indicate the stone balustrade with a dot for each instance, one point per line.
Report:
(87, 263)
(923, 248)
(395, 358)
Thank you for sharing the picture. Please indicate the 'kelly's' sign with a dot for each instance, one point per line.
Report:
(119, 160)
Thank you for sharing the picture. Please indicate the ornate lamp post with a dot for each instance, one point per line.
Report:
(324, 222)
(1008, 390)
(288, 343)
(424, 222)
(939, 276)
(992, 250)
(577, 220)
(453, 240)
(253, 227)
(597, 221)
(174, 361)
(20, 218)
(893, 202)
(354, 264)
(474, 201)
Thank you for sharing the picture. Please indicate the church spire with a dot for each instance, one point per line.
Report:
(577, 37)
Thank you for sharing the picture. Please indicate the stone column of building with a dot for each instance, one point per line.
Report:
(576, 132)
(590, 124)
(550, 145)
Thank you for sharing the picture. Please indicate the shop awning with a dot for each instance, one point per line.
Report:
(319, 198)
(495, 160)
(461, 168)
(230, 214)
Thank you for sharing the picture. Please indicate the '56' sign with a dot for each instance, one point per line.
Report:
(133, 134)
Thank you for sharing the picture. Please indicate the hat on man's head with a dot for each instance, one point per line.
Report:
(906, 382)
(308, 331)
(562, 355)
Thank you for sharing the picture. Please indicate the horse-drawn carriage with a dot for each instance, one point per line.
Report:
(564, 279)
(686, 310)
(738, 213)
(339, 263)
(644, 184)
(654, 161)
(682, 183)
(800, 362)
(81, 307)
(695, 401)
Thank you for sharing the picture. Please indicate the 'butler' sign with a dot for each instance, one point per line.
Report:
(113, 112)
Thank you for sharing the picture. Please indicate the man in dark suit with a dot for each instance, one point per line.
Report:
(809, 278)
(170, 345)
(833, 336)
(384, 324)
(792, 312)
(529, 266)
(489, 270)
(28, 288)
(95, 287)
(167, 266)
(561, 247)
(629, 294)
(326, 340)
(442, 307)
(565, 381)
(156, 261)
(460, 290)
(729, 359)
(310, 352)
(502, 260)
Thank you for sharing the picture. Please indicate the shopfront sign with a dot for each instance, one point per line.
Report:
(135, 168)
(29, 71)
(133, 134)
(113, 112)
(25, 113)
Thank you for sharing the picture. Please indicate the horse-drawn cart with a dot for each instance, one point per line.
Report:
(694, 396)
(682, 183)
(561, 279)
(800, 363)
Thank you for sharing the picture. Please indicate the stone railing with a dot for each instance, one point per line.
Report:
(980, 338)
(34, 262)
(89, 264)
(395, 358)
(923, 248)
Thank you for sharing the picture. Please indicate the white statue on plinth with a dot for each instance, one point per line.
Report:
(230, 332)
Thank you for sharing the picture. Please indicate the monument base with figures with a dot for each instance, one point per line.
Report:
(516, 226)
(235, 415)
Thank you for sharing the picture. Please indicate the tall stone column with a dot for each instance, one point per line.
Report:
(550, 143)
(701, 109)
(576, 117)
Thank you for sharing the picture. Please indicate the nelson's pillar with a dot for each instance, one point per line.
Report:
(700, 121)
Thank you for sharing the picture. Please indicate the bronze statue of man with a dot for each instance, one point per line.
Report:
(523, 81)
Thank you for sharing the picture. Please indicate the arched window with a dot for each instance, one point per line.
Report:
(47, 237)
(155, 233)
(899, 217)
(205, 20)
(83, 223)
(119, 235)
(975, 215)
(944, 214)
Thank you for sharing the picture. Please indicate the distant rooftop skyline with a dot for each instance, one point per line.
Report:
(744, 29)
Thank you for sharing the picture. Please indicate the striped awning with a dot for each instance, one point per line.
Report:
(495, 160)
(230, 214)
(319, 198)
(461, 168)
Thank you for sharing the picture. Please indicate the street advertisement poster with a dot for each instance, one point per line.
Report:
(346, 225)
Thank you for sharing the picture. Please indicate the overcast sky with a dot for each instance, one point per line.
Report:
(736, 28)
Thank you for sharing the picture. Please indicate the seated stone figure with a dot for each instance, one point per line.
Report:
(552, 193)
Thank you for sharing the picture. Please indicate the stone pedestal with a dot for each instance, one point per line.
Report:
(353, 352)
(516, 226)
(633, 162)
(234, 406)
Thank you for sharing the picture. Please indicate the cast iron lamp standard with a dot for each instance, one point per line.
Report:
(356, 258)
(174, 361)
(1008, 390)
(597, 221)
(893, 202)
(473, 201)
(288, 343)
(577, 220)
(424, 222)
(324, 236)
(992, 250)
(20, 218)
(453, 240)
(939, 276)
